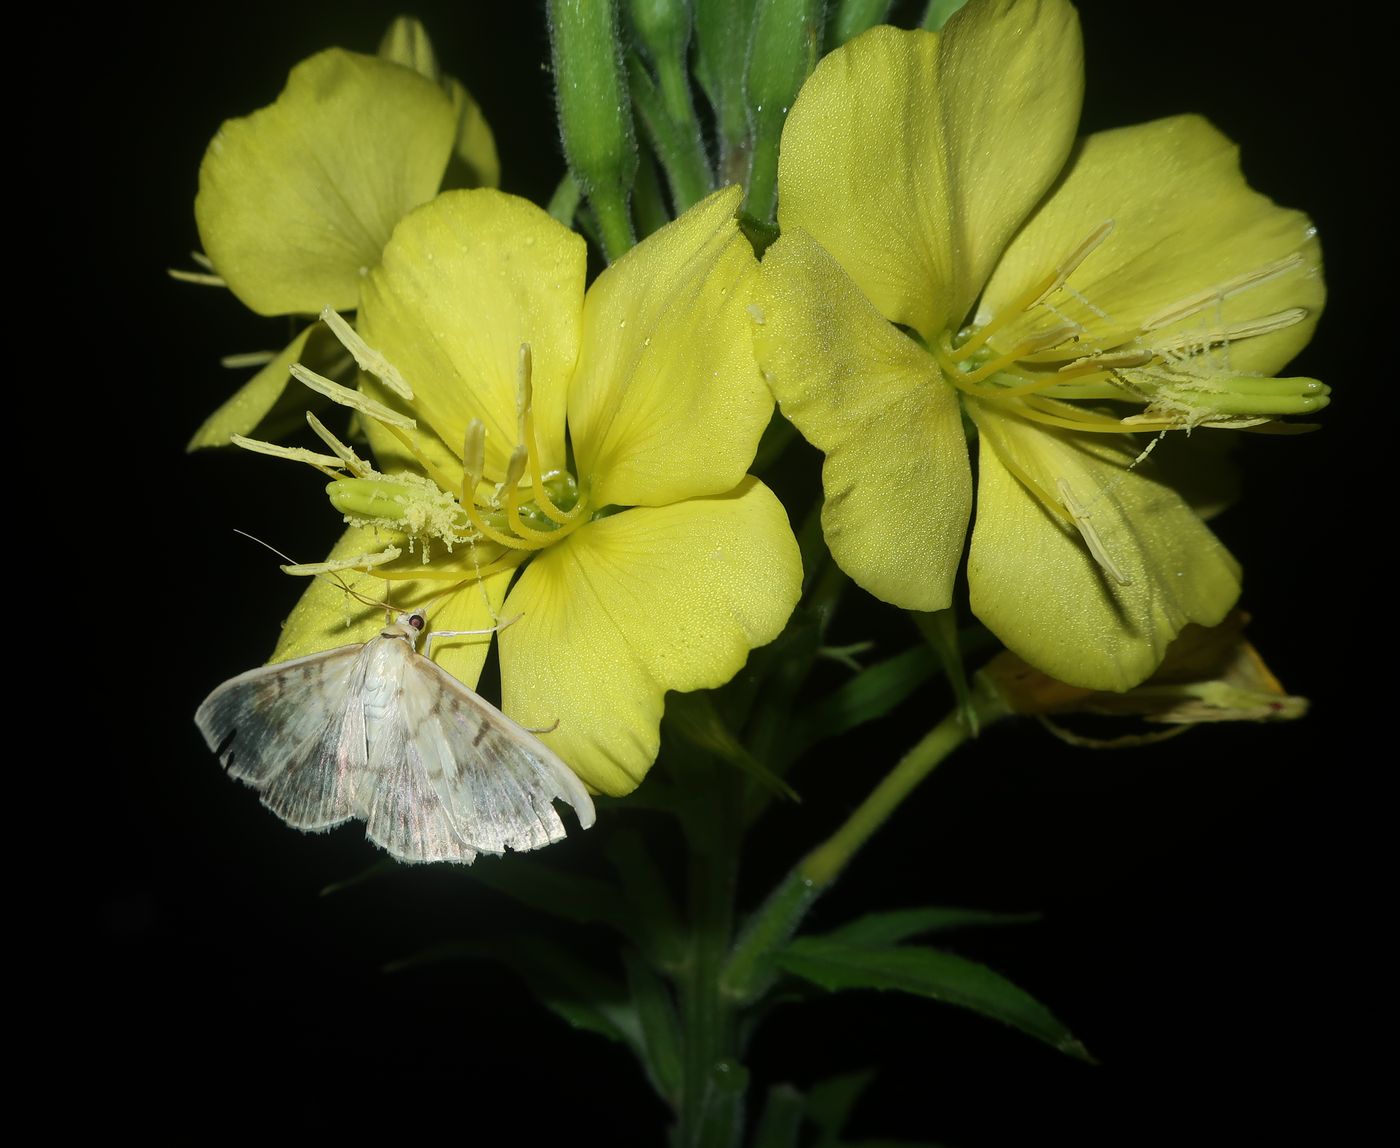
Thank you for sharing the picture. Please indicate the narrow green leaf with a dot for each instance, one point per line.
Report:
(924, 972)
(869, 695)
(557, 892)
(582, 996)
(649, 900)
(695, 718)
(940, 631)
(831, 1101)
(363, 877)
(781, 1121)
(900, 924)
(661, 1034)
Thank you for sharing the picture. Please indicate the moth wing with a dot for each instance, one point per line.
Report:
(397, 796)
(295, 732)
(496, 780)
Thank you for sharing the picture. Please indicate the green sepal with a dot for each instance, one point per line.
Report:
(852, 17)
(595, 113)
(787, 42)
(836, 965)
(939, 12)
(723, 29)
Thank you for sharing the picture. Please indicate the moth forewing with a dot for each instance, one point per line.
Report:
(379, 732)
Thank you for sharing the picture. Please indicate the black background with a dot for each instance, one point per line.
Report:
(1204, 900)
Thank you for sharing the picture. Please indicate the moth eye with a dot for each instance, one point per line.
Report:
(416, 621)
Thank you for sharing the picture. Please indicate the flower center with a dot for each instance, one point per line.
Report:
(1057, 357)
(505, 521)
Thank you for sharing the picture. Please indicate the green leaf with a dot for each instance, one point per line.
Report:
(781, 1121)
(556, 892)
(363, 877)
(695, 718)
(900, 924)
(582, 996)
(940, 631)
(871, 694)
(831, 1101)
(942, 976)
(649, 901)
(661, 1033)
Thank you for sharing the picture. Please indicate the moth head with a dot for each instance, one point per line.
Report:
(414, 621)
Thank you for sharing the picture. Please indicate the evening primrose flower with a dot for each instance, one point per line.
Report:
(951, 260)
(574, 465)
(297, 200)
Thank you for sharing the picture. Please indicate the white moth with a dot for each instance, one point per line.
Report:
(379, 732)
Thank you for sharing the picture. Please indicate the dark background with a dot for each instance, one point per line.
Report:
(1203, 900)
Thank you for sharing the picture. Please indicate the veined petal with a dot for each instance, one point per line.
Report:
(645, 601)
(667, 402)
(913, 156)
(464, 282)
(297, 200)
(252, 401)
(896, 479)
(1102, 622)
(326, 616)
(1190, 238)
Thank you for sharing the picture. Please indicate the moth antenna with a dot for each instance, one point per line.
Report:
(363, 599)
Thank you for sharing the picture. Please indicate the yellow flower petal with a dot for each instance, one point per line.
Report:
(252, 401)
(645, 601)
(326, 616)
(667, 402)
(1189, 237)
(896, 478)
(1102, 622)
(297, 200)
(914, 156)
(463, 283)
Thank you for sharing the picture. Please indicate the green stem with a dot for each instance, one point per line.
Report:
(749, 970)
(824, 863)
(710, 1107)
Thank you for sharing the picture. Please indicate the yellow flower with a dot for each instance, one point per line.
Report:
(586, 451)
(297, 200)
(1053, 296)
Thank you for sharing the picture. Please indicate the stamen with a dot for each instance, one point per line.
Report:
(1089, 533)
(353, 462)
(526, 395)
(351, 398)
(332, 566)
(325, 463)
(1038, 291)
(248, 359)
(1195, 341)
(473, 459)
(203, 260)
(197, 277)
(366, 356)
(1109, 361)
(1191, 304)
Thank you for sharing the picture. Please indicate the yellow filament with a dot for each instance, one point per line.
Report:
(440, 479)
(527, 425)
(1037, 292)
